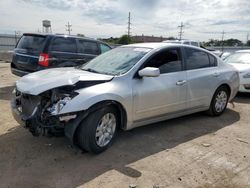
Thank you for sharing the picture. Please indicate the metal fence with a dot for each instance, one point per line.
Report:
(8, 41)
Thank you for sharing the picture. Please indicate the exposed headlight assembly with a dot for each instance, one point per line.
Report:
(58, 99)
(57, 107)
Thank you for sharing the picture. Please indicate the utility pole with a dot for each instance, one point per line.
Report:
(222, 40)
(129, 24)
(247, 37)
(181, 31)
(17, 36)
(68, 28)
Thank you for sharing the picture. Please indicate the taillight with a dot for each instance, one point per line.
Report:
(43, 60)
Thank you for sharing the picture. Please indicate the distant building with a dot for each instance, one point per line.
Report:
(144, 38)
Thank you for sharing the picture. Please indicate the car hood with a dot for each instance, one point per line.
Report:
(241, 67)
(38, 82)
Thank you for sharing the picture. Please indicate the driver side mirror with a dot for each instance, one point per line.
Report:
(149, 72)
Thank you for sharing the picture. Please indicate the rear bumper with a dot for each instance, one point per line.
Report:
(18, 72)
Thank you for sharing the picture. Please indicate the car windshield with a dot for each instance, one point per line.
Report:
(239, 58)
(117, 61)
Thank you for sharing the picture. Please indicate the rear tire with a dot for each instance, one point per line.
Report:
(97, 132)
(219, 101)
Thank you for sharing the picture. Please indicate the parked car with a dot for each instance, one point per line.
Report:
(36, 52)
(127, 87)
(224, 55)
(215, 52)
(187, 42)
(241, 61)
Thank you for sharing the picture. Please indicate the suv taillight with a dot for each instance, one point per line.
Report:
(43, 60)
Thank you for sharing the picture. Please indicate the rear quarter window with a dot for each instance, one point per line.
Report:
(213, 60)
(104, 48)
(30, 42)
(61, 44)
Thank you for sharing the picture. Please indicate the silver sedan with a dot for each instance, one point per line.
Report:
(124, 88)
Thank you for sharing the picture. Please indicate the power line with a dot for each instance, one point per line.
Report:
(129, 24)
(68, 28)
(181, 31)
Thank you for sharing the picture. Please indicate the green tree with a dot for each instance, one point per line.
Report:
(80, 35)
(248, 43)
(124, 39)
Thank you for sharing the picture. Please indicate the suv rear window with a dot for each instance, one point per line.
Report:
(30, 42)
(61, 44)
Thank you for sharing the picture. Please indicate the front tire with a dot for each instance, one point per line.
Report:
(97, 132)
(219, 102)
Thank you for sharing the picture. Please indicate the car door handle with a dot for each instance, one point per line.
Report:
(181, 82)
(216, 74)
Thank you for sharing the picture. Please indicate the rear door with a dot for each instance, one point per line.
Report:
(202, 77)
(27, 51)
(63, 52)
(87, 50)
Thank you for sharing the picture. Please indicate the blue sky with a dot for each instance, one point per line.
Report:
(203, 19)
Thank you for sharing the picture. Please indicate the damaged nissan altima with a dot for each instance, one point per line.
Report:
(124, 88)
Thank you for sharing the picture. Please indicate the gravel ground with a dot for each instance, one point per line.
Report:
(192, 151)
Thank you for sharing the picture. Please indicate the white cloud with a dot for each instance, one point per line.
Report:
(203, 19)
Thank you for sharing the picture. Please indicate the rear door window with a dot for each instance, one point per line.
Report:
(31, 43)
(61, 44)
(88, 47)
(196, 59)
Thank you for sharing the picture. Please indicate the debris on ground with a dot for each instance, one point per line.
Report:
(206, 145)
(132, 186)
(243, 141)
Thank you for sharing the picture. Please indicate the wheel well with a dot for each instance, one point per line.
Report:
(228, 88)
(118, 106)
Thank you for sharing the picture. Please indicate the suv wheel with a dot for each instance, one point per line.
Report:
(97, 132)
(219, 101)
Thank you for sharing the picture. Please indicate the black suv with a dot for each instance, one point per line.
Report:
(35, 52)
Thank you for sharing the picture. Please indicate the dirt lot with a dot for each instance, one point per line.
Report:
(192, 151)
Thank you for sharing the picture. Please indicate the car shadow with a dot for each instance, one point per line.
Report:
(5, 92)
(51, 162)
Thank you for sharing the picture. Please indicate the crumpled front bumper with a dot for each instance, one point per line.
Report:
(37, 128)
(21, 118)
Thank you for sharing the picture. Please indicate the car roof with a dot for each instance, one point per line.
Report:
(155, 45)
(61, 35)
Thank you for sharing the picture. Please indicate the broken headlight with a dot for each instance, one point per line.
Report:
(57, 107)
(58, 100)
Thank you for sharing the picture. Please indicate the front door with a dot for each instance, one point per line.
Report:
(157, 96)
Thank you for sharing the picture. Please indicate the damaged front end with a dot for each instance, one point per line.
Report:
(41, 113)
